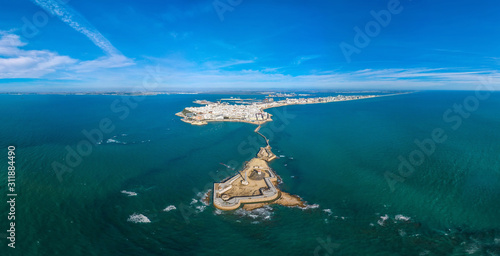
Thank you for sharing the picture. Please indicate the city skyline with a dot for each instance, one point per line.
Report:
(47, 45)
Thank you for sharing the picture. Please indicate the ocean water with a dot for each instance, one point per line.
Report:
(137, 190)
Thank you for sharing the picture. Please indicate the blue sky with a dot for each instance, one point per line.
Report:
(49, 45)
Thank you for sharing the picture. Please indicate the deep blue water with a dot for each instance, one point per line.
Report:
(336, 156)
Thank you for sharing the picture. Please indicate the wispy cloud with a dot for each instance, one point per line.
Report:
(423, 74)
(405, 79)
(78, 22)
(302, 59)
(75, 20)
(225, 64)
(178, 35)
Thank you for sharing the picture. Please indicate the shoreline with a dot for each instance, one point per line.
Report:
(204, 122)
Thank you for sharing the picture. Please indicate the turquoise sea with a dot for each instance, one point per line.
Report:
(137, 190)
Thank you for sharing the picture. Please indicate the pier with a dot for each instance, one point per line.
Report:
(257, 131)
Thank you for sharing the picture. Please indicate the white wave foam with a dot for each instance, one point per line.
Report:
(201, 208)
(129, 193)
(328, 211)
(382, 220)
(217, 212)
(402, 232)
(398, 217)
(310, 206)
(199, 202)
(138, 218)
(169, 208)
(402, 217)
(263, 213)
(204, 196)
(115, 141)
(472, 248)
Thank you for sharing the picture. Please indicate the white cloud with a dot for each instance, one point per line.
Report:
(18, 63)
(9, 44)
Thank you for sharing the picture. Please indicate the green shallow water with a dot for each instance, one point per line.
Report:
(334, 156)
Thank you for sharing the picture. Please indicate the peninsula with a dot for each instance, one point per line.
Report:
(257, 184)
(251, 113)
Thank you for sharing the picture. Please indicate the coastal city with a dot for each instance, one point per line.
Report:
(250, 112)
